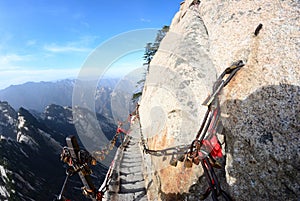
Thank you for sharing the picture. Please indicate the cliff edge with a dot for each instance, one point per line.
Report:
(260, 106)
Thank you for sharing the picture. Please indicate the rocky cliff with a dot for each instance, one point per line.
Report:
(30, 148)
(260, 106)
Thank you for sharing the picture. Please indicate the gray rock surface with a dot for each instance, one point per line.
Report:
(127, 179)
(260, 107)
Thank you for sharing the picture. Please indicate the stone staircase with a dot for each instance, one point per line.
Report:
(127, 182)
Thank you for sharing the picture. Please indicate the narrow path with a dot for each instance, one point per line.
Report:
(127, 180)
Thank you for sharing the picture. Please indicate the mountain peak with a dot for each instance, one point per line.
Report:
(8, 120)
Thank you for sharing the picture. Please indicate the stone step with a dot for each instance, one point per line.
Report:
(133, 154)
(129, 165)
(129, 184)
(122, 197)
(133, 151)
(136, 180)
(129, 196)
(125, 175)
(138, 196)
(129, 172)
(138, 161)
(132, 148)
(129, 188)
(125, 161)
(131, 169)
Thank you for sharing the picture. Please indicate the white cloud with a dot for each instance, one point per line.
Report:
(31, 42)
(80, 45)
(8, 60)
(145, 20)
(67, 48)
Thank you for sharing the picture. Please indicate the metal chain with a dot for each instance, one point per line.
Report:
(212, 114)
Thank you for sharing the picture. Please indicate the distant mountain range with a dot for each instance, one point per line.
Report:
(30, 147)
(37, 95)
(35, 119)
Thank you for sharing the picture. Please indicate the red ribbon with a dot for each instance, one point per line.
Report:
(213, 144)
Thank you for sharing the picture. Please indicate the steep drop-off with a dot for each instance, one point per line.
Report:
(260, 107)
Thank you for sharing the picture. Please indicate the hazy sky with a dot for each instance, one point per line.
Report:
(50, 40)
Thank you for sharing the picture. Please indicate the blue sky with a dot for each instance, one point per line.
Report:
(50, 40)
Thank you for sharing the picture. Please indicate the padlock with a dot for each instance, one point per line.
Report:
(173, 162)
(181, 158)
(188, 163)
(102, 157)
(106, 151)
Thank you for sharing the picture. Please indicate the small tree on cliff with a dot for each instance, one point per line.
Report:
(150, 50)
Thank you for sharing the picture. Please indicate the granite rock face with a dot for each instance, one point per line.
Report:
(260, 106)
